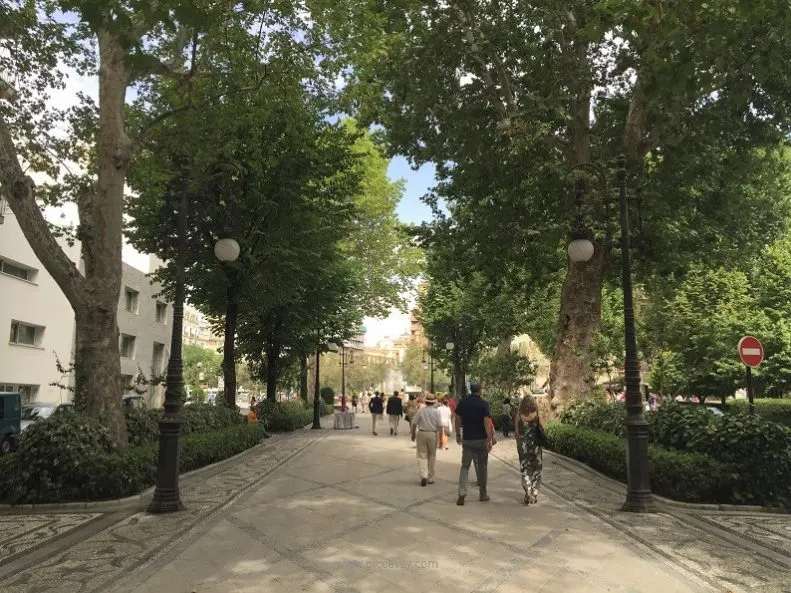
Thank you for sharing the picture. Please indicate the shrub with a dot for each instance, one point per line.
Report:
(596, 414)
(201, 449)
(283, 416)
(683, 427)
(142, 425)
(762, 452)
(54, 457)
(684, 476)
(327, 410)
(776, 410)
(100, 474)
(205, 417)
(327, 394)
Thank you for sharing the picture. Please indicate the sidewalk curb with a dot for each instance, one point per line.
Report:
(130, 501)
(667, 502)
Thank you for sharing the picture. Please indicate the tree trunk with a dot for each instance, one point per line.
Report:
(317, 395)
(303, 378)
(570, 373)
(271, 382)
(98, 380)
(97, 370)
(272, 371)
(229, 347)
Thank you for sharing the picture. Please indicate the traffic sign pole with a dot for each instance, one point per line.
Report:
(748, 382)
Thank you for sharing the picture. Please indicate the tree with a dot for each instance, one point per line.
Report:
(504, 371)
(698, 328)
(124, 45)
(210, 363)
(504, 99)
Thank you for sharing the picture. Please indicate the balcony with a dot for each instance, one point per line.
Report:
(7, 90)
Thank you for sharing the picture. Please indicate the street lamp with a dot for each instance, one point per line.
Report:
(227, 251)
(167, 498)
(449, 346)
(580, 250)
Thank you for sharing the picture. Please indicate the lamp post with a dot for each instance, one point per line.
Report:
(430, 368)
(344, 362)
(449, 346)
(227, 251)
(317, 395)
(580, 250)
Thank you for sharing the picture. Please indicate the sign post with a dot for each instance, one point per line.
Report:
(751, 353)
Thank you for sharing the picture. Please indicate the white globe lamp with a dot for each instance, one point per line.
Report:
(226, 250)
(580, 250)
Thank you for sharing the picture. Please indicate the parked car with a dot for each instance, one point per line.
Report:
(40, 410)
(10, 421)
(539, 393)
(133, 401)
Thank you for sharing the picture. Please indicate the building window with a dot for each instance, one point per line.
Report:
(157, 358)
(25, 335)
(16, 270)
(162, 312)
(131, 298)
(7, 388)
(127, 346)
(28, 393)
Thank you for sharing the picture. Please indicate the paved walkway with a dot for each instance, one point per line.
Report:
(342, 511)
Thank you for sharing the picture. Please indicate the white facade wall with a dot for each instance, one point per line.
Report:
(39, 302)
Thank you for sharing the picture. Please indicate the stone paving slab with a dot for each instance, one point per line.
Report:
(347, 515)
(356, 521)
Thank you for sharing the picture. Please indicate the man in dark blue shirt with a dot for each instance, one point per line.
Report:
(475, 436)
(376, 405)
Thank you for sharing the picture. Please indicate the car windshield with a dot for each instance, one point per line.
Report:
(36, 412)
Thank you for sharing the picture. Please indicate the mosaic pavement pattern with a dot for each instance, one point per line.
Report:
(92, 564)
(22, 533)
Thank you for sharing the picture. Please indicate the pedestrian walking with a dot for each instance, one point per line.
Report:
(426, 428)
(476, 437)
(528, 444)
(505, 417)
(395, 409)
(411, 408)
(354, 403)
(452, 406)
(377, 408)
(444, 412)
(366, 398)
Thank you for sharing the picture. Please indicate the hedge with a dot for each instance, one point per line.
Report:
(776, 410)
(70, 458)
(682, 476)
(143, 424)
(285, 416)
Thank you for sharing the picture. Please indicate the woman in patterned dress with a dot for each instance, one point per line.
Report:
(529, 448)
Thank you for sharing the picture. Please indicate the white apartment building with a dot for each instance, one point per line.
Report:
(40, 324)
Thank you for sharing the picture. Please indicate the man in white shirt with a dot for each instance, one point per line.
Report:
(425, 430)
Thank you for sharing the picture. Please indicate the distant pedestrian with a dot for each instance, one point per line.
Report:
(354, 403)
(505, 417)
(452, 406)
(366, 398)
(528, 445)
(411, 408)
(395, 409)
(376, 406)
(425, 428)
(444, 412)
(476, 438)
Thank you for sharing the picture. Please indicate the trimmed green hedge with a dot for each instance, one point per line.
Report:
(143, 424)
(683, 476)
(70, 458)
(776, 410)
(284, 416)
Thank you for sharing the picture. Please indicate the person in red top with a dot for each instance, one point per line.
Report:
(452, 405)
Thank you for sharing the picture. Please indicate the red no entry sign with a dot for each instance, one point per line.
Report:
(750, 351)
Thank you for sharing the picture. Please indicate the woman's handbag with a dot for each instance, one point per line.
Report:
(543, 441)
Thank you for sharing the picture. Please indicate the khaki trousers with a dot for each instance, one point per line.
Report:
(375, 418)
(426, 453)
